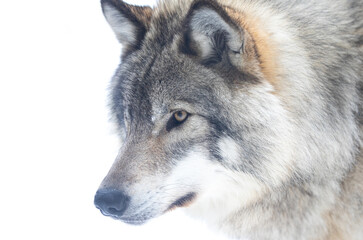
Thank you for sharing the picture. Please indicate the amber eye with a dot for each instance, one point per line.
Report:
(180, 116)
(177, 119)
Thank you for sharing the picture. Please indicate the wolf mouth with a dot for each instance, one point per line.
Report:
(183, 201)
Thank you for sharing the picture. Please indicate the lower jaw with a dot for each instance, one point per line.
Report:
(134, 222)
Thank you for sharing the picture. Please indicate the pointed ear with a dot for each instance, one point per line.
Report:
(211, 33)
(130, 23)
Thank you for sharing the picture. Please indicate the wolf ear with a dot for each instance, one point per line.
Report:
(211, 32)
(130, 23)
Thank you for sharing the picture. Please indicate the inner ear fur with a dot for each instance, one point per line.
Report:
(212, 35)
(210, 32)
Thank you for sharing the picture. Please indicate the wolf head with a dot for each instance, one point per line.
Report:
(200, 123)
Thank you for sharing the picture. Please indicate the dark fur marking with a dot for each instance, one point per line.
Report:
(214, 149)
(219, 46)
(219, 130)
(117, 103)
(185, 46)
(139, 90)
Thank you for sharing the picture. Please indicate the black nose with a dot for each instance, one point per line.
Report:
(111, 202)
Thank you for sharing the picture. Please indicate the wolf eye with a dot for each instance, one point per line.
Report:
(177, 119)
(180, 116)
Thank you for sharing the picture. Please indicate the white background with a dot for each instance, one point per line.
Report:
(56, 144)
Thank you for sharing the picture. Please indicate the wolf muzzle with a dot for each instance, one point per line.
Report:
(111, 202)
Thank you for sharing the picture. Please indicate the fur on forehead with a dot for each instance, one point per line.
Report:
(172, 6)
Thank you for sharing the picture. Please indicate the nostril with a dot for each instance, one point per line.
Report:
(114, 211)
(111, 202)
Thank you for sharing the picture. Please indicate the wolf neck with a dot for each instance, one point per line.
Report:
(288, 212)
(291, 211)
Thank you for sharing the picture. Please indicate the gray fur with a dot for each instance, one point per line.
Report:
(296, 136)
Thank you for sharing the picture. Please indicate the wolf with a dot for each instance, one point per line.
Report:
(248, 114)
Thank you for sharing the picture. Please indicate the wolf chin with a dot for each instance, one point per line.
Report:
(246, 113)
